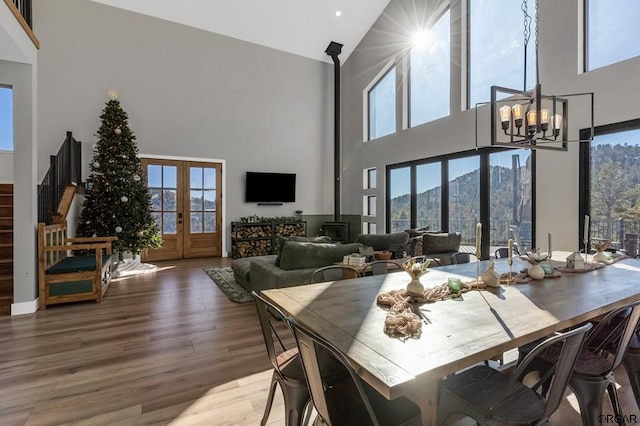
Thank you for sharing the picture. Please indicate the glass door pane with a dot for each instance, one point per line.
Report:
(510, 199)
(464, 198)
(400, 199)
(429, 196)
(202, 208)
(163, 186)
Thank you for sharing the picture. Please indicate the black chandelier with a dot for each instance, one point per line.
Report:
(531, 119)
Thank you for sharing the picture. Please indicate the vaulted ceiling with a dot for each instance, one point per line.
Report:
(301, 27)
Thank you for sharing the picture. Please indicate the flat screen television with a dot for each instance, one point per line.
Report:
(270, 187)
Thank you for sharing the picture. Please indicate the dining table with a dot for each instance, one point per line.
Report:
(458, 332)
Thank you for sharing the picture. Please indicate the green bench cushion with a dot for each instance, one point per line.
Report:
(77, 264)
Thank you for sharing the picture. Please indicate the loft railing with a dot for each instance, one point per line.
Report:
(65, 169)
(22, 10)
(24, 7)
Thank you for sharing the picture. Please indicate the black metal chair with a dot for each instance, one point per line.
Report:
(503, 252)
(348, 401)
(287, 368)
(460, 257)
(333, 273)
(603, 352)
(493, 398)
(381, 267)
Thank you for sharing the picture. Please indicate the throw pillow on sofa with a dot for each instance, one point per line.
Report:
(304, 255)
(282, 240)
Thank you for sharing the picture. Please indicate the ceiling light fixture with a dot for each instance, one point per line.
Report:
(531, 119)
(338, 13)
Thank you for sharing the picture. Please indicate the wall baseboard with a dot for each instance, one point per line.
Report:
(23, 308)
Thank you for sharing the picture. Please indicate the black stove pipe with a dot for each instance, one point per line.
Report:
(333, 50)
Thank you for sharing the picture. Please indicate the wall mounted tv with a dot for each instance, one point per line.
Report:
(270, 188)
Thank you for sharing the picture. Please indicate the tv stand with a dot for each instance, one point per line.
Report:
(270, 203)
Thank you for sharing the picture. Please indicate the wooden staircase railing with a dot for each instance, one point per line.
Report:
(6, 248)
(65, 169)
(21, 9)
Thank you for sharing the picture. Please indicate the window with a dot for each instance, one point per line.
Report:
(496, 57)
(6, 119)
(464, 197)
(369, 205)
(510, 209)
(429, 195)
(399, 210)
(430, 75)
(445, 193)
(369, 179)
(381, 100)
(611, 165)
(368, 227)
(611, 33)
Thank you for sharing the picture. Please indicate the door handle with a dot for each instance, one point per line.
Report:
(179, 218)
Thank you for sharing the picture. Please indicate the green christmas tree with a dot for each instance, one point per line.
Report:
(117, 200)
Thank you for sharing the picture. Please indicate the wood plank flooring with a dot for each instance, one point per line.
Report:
(165, 348)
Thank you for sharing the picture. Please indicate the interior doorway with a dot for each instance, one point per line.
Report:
(186, 203)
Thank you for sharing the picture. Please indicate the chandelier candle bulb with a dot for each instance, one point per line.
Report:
(505, 116)
(518, 114)
(478, 239)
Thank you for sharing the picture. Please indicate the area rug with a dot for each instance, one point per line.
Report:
(223, 277)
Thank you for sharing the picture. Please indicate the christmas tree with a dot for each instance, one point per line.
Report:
(117, 200)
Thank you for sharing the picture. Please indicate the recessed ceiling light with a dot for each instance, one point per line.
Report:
(338, 13)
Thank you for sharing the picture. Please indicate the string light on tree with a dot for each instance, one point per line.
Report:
(124, 199)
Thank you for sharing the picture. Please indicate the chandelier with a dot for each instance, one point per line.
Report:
(529, 118)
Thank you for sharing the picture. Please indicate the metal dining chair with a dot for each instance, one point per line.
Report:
(503, 252)
(603, 352)
(333, 273)
(492, 398)
(287, 368)
(348, 401)
(460, 257)
(381, 267)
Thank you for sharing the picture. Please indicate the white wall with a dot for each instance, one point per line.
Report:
(6, 167)
(616, 91)
(188, 93)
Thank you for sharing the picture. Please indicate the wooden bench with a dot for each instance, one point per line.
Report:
(63, 277)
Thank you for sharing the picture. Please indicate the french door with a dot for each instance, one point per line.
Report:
(186, 203)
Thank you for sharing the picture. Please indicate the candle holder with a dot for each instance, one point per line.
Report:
(586, 251)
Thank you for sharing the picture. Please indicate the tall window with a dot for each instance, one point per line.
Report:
(399, 210)
(496, 47)
(510, 207)
(611, 32)
(612, 164)
(446, 194)
(464, 196)
(430, 74)
(382, 106)
(429, 195)
(6, 119)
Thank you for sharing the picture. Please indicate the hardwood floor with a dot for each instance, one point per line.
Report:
(165, 348)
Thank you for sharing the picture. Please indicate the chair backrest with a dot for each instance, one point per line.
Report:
(333, 273)
(501, 253)
(614, 333)
(310, 347)
(460, 257)
(381, 267)
(273, 323)
(572, 342)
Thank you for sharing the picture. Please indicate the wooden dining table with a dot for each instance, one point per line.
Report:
(460, 332)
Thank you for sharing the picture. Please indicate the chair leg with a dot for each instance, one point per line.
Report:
(615, 402)
(589, 394)
(272, 391)
(296, 399)
(632, 365)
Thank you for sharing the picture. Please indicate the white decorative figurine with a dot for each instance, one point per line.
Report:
(490, 277)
